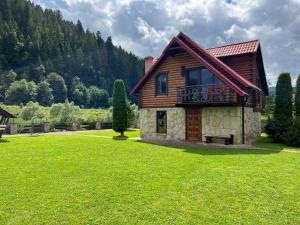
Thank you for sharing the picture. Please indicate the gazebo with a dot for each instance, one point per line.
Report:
(4, 118)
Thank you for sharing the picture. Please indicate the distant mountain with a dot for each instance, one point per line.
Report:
(31, 36)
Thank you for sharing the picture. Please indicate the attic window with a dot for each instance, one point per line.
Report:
(162, 84)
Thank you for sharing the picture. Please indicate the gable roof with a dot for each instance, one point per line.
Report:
(235, 49)
(6, 114)
(211, 62)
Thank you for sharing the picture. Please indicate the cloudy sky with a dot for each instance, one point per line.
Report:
(146, 26)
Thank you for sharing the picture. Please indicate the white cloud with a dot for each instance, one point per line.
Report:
(145, 26)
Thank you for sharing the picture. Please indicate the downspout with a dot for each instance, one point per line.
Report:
(244, 100)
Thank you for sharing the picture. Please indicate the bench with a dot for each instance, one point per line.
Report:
(227, 140)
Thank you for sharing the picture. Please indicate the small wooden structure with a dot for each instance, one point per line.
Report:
(5, 116)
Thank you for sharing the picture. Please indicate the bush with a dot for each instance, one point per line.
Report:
(292, 135)
(66, 113)
(132, 114)
(31, 111)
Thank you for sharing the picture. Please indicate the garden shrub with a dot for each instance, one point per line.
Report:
(292, 135)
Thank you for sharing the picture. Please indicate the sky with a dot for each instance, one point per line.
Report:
(145, 27)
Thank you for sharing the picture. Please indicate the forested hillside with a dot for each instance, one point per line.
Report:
(35, 42)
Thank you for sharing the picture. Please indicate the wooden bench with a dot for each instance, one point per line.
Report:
(227, 140)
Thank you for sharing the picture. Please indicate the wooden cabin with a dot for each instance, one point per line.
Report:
(191, 93)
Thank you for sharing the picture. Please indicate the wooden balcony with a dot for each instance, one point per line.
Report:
(212, 94)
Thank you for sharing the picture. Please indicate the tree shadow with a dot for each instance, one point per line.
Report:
(213, 150)
(119, 138)
(2, 141)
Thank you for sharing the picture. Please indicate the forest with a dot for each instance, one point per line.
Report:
(47, 59)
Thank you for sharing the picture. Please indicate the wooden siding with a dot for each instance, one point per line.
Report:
(245, 65)
(172, 65)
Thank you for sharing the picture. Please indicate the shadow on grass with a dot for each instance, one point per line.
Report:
(119, 138)
(211, 150)
(2, 141)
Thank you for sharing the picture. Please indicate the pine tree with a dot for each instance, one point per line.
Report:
(119, 108)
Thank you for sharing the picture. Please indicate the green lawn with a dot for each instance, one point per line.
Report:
(131, 133)
(77, 179)
(266, 142)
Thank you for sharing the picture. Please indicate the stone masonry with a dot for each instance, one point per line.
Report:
(215, 121)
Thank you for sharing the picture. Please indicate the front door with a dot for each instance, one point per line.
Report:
(193, 124)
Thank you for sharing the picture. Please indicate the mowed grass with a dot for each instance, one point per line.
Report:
(266, 142)
(76, 179)
(131, 133)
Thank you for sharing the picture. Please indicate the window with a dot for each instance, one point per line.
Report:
(201, 76)
(161, 122)
(162, 84)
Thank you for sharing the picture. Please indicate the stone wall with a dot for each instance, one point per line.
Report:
(215, 121)
(175, 124)
(228, 120)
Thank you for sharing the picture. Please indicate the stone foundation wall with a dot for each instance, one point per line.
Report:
(222, 121)
(175, 124)
(228, 120)
(215, 121)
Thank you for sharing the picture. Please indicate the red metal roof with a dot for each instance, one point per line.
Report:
(235, 49)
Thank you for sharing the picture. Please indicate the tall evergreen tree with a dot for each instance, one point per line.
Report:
(283, 111)
(297, 98)
(119, 107)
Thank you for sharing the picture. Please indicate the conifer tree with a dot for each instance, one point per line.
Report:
(119, 108)
(297, 98)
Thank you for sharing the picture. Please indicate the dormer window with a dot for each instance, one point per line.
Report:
(162, 84)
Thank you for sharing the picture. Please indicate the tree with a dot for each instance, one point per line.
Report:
(297, 98)
(98, 97)
(32, 111)
(58, 86)
(9, 78)
(119, 108)
(80, 93)
(283, 111)
(21, 92)
(44, 94)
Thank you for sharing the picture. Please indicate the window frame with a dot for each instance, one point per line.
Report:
(157, 122)
(156, 84)
(187, 71)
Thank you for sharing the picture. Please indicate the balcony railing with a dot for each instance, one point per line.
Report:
(212, 94)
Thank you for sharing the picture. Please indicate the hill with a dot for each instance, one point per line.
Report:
(35, 42)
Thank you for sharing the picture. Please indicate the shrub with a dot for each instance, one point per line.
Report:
(292, 135)
(119, 107)
(31, 111)
(283, 111)
(132, 114)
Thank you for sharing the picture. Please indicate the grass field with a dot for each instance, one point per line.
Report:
(266, 142)
(131, 133)
(77, 179)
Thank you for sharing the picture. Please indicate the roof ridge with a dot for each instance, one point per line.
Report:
(233, 73)
(238, 43)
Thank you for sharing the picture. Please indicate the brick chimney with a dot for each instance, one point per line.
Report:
(149, 61)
